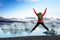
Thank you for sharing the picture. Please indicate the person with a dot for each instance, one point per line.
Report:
(40, 19)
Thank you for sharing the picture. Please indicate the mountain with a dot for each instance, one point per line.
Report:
(3, 21)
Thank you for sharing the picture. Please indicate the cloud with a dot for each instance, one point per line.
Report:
(28, 0)
(31, 0)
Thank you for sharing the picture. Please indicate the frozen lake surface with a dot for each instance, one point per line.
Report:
(19, 30)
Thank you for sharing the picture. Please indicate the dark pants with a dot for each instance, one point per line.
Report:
(41, 24)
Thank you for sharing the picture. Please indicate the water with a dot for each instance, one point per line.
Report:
(18, 30)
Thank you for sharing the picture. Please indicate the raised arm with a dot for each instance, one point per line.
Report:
(44, 12)
(35, 12)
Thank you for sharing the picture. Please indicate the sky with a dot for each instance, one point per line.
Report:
(24, 8)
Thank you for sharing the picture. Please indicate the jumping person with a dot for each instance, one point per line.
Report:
(40, 19)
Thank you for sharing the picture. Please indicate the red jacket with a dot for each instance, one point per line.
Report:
(42, 14)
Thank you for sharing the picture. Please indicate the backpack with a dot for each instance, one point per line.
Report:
(39, 16)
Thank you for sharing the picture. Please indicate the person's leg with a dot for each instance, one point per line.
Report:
(35, 26)
(44, 26)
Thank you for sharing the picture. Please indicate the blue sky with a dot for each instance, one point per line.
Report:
(23, 8)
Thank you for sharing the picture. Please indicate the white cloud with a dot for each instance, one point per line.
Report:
(28, 0)
(31, 0)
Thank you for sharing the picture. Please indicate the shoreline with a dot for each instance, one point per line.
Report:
(53, 37)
